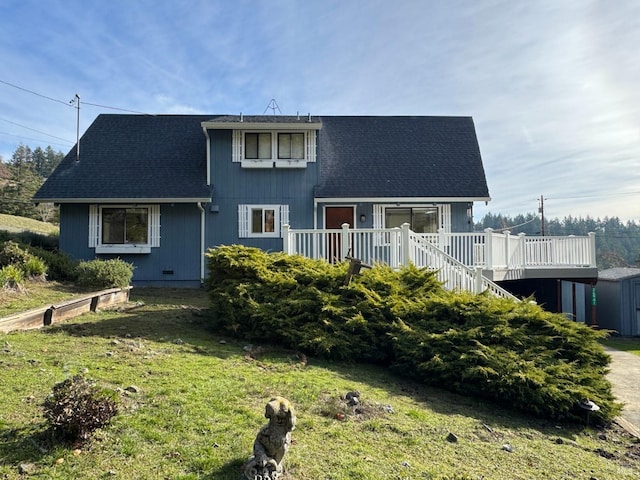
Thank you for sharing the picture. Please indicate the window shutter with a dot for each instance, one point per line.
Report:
(93, 226)
(243, 221)
(445, 218)
(284, 216)
(311, 146)
(236, 146)
(154, 221)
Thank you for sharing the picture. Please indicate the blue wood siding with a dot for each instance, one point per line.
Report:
(175, 262)
(74, 231)
(234, 185)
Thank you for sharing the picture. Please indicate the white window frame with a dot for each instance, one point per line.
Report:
(95, 230)
(281, 217)
(238, 150)
(379, 215)
(444, 214)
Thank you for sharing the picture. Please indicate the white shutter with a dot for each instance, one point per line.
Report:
(94, 221)
(311, 145)
(154, 224)
(445, 217)
(284, 216)
(236, 146)
(243, 221)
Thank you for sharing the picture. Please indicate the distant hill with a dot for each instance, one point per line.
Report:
(11, 223)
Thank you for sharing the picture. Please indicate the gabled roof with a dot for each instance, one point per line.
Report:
(162, 158)
(134, 157)
(401, 156)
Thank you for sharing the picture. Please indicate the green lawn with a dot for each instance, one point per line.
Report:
(626, 344)
(201, 402)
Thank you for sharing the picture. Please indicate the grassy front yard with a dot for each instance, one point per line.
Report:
(201, 398)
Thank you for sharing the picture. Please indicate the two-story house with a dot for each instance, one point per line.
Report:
(159, 190)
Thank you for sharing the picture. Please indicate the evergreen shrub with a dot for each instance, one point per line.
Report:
(60, 267)
(11, 276)
(513, 353)
(12, 253)
(35, 267)
(113, 273)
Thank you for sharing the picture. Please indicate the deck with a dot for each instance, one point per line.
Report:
(470, 261)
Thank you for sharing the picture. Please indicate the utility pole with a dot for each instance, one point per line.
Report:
(76, 100)
(541, 210)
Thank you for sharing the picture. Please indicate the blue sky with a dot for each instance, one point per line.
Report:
(553, 86)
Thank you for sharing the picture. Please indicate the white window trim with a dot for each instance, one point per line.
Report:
(281, 213)
(444, 214)
(95, 231)
(237, 150)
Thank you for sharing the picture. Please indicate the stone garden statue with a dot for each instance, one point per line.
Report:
(272, 442)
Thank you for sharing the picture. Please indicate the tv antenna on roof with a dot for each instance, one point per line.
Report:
(273, 105)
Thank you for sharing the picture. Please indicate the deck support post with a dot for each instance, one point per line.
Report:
(285, 239)
(478, 280)
(344, 242)
(592, 249)
(404, 244)
(488, 245)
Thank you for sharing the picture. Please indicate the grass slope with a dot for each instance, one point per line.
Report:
(201, 401)
(11, 223)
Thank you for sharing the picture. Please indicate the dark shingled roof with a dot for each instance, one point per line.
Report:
(163, 157)
(134, 156)
(372, 157)
(619, 273)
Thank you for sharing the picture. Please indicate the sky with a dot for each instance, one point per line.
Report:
(553, 86)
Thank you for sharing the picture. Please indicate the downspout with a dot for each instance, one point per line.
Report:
(315, 214)
(202, 215)
(206, 134)
(202, 231)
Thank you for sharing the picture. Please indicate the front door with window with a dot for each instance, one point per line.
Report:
(335, 217)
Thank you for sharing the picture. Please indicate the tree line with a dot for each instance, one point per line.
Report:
(617, 242)
(22, 176)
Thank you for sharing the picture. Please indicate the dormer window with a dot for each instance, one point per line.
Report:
(274, 149)
(257, 146)
(291, 146)
(266, 141)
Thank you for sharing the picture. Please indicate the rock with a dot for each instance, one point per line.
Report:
(132, 389)
(114, 342)
(26, 468)
(453, 438)
(351, 395)
(388, 409)
(223, 342)
(109, 354)
(405, 464)
(507, 448)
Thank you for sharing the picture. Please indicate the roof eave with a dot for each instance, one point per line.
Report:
(262, 125)
(403, 199)
(123, 200)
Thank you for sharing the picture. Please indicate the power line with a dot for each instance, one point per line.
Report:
(37, 139)
(116, 108)
(35, 93)
(34, 130)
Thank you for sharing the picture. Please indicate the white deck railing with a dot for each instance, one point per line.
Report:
(459, 258)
